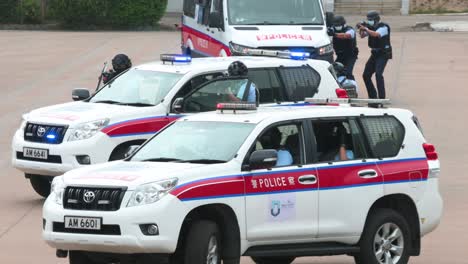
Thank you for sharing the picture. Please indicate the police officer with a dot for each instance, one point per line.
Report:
(120, 63)
(344, 44)
(239, 69)
(378, 34)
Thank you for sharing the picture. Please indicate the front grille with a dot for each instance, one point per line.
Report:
(311, 50)
(50, 158)
(50, 134)
(104, 199)
(110, 230)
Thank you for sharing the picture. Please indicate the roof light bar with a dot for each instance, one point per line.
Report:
(294, 55)
(352, 101)
(237, 106)
(175, 58)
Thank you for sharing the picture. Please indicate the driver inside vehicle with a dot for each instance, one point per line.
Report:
(272, 140)
(238, 94)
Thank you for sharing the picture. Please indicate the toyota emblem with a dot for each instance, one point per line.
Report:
(41, 131)
(89, 197)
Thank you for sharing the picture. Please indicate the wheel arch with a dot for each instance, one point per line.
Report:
(404, 205)
(225, 217)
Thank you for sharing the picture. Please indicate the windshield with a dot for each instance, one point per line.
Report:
(197, 142)
(275, 12)
(137, 87)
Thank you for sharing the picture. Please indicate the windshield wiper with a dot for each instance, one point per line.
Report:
(107, 102)
(266, 23)
(204, 161)
(136, 104)
(161, 160)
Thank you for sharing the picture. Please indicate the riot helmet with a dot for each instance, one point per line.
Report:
(238, 69)
(121, 62)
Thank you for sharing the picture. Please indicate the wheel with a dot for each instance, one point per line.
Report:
(76, 257)
(386, 239)
(40, 184)
(203, 244)
(273, 260)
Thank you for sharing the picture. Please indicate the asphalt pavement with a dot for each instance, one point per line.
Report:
(427, 75)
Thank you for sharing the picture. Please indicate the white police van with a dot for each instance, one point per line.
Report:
(244, 27)
(273, 184)
(126, 112)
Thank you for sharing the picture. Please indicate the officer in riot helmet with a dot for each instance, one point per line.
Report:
(378, 34)
(344, 44)
(239, 69)
(120, 63)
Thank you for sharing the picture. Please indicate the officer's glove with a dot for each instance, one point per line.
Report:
(331, 32)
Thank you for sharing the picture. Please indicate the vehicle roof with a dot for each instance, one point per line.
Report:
(278, 113)
(222, 63)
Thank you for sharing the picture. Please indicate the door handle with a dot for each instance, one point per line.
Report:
(368, 174)
(308, 179)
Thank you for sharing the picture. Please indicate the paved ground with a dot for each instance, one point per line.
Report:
(428, 75)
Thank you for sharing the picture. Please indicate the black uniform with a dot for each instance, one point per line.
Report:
(381, 52)
(346, 51)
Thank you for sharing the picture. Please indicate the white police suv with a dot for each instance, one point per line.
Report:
(272, 184)
(137, 104)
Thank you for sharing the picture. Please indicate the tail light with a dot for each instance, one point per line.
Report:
(341, 93)
(430, 151)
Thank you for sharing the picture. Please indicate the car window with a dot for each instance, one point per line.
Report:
(337, 140)
(197, 140)
(220, 91)
(268, 84)
(286, 139)
(196, 82)
(300, 82)
(385, 135)
(189, 8)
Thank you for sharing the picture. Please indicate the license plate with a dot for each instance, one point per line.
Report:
(87, 223)
(35, 153)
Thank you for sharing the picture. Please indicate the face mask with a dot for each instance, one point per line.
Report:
(338, 28)
(371, 22)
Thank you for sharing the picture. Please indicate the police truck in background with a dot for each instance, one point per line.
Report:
(246, 27)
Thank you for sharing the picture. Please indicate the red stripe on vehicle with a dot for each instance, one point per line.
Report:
(204, 42)
(138, 126)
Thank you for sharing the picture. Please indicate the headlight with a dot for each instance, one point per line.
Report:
(237, 49)
(24, 120)
(57, 190)
(325, 49)
(151, 192)
(87, 130)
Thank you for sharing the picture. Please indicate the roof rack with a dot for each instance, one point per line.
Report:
(375, 103)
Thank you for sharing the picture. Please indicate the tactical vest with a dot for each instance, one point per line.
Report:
(347, 47)
(380, 43)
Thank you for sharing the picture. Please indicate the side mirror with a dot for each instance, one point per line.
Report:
(80, 94)
(329, 16)
(263, 159)
(215, 20)
(132, 149)
(178, 105)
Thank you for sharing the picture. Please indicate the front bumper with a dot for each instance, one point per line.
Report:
(62, 157)
(167, 213)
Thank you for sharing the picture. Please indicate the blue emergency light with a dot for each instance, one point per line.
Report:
(51, 136)
(297, 55)
(175, 58)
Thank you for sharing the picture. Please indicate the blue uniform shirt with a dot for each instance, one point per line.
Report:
(252, 97)
(284, 158)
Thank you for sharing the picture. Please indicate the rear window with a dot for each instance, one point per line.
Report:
(385, 134)
(300, 82)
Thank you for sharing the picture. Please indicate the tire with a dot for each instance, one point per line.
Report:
(40, 184)
(203, 244)
(273, 260)
(76, 257)
(382, 224)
